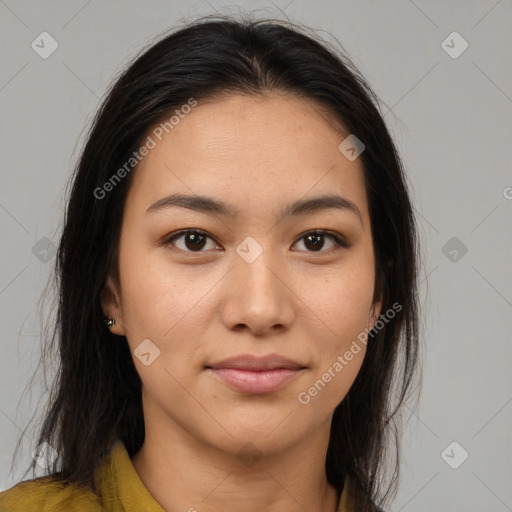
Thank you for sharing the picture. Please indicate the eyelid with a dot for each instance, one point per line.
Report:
(340, 241)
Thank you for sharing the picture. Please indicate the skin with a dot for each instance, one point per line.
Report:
(258, 154)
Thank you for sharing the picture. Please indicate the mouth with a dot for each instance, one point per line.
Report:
(256, 375)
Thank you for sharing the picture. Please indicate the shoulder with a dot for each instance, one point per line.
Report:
(48, 495)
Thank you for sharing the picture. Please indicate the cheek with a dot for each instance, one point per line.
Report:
(350, 311)
(342, 301)
(161, 302)
(340, 346)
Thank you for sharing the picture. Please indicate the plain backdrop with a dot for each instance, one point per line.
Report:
(443, 72)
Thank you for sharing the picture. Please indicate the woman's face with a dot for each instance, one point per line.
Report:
(253, 282)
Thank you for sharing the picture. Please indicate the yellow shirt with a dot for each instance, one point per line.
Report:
(120, 487)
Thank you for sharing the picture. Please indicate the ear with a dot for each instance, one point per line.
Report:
(374, 313)
(111, 306)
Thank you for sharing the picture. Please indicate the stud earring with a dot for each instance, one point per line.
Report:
(110, 322)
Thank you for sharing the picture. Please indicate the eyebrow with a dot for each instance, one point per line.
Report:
(208, 205)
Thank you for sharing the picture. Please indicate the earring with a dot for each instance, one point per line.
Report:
(110, 322)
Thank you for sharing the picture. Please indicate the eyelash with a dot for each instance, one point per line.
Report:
(340, 242)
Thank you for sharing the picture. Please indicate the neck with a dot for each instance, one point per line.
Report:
(182, 473)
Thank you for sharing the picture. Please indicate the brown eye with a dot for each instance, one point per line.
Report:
(191, 240)
(314, 241)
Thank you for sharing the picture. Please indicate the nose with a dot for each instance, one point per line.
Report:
(257, 297)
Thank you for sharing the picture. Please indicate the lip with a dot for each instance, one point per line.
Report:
(257, 363)
(256, 375)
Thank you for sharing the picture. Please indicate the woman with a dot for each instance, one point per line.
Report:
(238, 313)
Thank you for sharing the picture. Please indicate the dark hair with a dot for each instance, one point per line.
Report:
(96, 395)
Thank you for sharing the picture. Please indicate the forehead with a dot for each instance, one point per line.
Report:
(256, 151)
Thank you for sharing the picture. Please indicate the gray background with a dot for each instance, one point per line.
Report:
(451, 120)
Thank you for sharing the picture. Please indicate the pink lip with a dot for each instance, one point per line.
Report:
(256, 375)
(250, 381)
